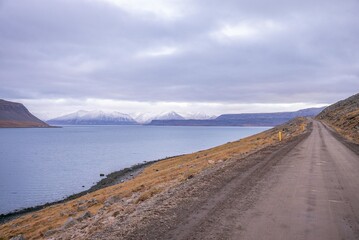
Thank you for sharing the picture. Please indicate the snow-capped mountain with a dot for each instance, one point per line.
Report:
(94, 118)
(169, 116)
(117, 118)
(144, 118)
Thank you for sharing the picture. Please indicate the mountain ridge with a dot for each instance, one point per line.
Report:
(96, 117)
(145, 118)
(16, 115)
(172, 118)
(243, 119)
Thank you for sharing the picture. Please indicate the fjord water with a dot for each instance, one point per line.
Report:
(39, 165)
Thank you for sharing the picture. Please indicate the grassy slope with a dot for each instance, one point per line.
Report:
(153, 180)
(343, 116)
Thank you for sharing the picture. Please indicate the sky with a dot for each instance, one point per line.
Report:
(228, 56)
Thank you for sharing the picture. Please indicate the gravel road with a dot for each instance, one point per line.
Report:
(313, 193)
(307, 188)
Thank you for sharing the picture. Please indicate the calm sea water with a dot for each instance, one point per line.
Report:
(44, 165)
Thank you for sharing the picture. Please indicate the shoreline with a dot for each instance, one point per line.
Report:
(14, 127)
(110, 179)
(125, 201)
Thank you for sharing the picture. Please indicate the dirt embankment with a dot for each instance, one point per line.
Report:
(126, 204)
(343, 116)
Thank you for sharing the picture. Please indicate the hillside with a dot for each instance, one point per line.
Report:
(244, 119)
(16, 115)
(343, 116)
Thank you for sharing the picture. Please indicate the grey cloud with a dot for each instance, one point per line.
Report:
(79, 49)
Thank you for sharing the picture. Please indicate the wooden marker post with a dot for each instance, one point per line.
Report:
(280, 136)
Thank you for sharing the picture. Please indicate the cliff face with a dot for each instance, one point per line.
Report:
(343, 116)
(16, 115)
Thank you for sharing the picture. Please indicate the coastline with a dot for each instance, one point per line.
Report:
(13, 127)
(111, 179)
(124, 201)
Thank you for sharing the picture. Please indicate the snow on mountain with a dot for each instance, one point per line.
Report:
(101, 117)
(144, 117)
(94, 118)
(148, 117)
(169, 116)
(75, 115)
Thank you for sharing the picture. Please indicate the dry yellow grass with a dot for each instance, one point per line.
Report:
(348, 126)
(343, 116)
(153, 180)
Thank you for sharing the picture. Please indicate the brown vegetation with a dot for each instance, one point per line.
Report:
(122, 199)
(343, 116)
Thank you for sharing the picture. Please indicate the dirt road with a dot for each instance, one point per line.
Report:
(313, 193)
(306, 189)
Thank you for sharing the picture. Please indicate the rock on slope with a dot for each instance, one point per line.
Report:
(343, 116)
(14, 114)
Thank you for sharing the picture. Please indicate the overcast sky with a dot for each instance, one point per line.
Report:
(61, 56)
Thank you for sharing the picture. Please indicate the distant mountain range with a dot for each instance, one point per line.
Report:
(14, 114)
(243, 119)
(175, 119)
(117, 118)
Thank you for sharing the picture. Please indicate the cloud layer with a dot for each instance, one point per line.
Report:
(195, 52)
